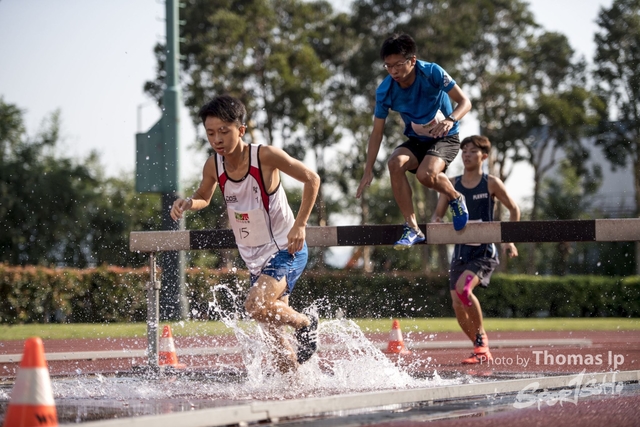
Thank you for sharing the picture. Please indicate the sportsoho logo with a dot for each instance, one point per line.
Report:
(530, 395)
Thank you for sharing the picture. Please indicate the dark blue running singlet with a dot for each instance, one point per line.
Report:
(480, 205)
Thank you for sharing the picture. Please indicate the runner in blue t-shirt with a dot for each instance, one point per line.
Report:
(421, 92)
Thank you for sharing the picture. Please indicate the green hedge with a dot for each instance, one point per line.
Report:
(407, 295)
(111, 294)
(40, 295)
(566, 296)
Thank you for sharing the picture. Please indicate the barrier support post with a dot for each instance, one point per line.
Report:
(153, 312)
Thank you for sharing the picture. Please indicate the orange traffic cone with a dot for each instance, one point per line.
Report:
(31, 401)
(396, 343)
(167, 350)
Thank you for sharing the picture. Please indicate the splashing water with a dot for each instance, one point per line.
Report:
(347, 362)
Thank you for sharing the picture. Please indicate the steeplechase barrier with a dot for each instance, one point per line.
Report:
(595, 230)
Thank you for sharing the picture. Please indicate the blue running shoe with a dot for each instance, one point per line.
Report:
(460, 214)
(410, 236)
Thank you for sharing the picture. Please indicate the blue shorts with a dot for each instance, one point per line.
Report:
(283, 264)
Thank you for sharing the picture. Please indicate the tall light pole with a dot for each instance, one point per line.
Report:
(157, 170)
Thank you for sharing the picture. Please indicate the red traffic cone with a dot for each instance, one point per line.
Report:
(32, 403)
(167, 355)
(396, 343)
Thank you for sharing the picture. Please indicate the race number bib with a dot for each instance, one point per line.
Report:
(250, 228)
(424, 129)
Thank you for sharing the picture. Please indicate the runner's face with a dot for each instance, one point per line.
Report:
(472, 156)
(399, 67)
(223, 137)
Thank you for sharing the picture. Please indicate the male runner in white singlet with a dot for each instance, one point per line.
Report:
(270, 240)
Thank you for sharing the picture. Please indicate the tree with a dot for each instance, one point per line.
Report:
(262, 51)
(56, 210)
(558, 127)
(564, 199)
(436, 27)
(557, 112)
(120, 210)
(40, 215)
(280, 57)
(617, 73)
(495, 68)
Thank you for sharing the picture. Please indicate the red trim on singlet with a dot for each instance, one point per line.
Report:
(222, 180)
(255, 173)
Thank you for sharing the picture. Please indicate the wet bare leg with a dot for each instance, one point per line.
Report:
(431, 174)
(283, 354)
(266, 304)
(469, 317)
(400, 162)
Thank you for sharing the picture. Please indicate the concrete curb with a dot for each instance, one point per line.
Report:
(571, 387)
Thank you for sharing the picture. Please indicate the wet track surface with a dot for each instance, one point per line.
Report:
(88, 390)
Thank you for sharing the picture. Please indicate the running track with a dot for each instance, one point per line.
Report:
(445, 350)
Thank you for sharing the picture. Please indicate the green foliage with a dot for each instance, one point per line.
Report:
(569, 296)
(561, 115)
(405, 295)
(32, 181)
(217, 328)
(495, 77)
(57, 210)
(43, 295)
(120, 211)
(107, 295)
(617, 74)
(568, 196)
(265, 52)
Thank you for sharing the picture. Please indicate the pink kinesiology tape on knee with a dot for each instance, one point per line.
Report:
(464, 296)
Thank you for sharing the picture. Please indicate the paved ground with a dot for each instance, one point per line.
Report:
(612, 411)
(515, 354)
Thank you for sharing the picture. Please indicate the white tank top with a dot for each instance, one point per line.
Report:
(260, 221)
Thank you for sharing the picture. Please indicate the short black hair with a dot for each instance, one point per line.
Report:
(400, 44)
(482, 142)
(226, 108)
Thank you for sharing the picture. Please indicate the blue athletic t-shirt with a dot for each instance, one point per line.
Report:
(420, 102)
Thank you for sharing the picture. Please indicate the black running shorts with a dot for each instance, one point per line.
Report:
(446, 148)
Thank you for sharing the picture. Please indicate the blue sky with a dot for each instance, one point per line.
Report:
(90, 59)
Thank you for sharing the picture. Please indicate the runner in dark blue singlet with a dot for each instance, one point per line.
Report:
(473, 264)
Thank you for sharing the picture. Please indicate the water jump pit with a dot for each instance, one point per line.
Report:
(232, 379)
(244, 373)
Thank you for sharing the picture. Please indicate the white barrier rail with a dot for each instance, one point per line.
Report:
(595, 230)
